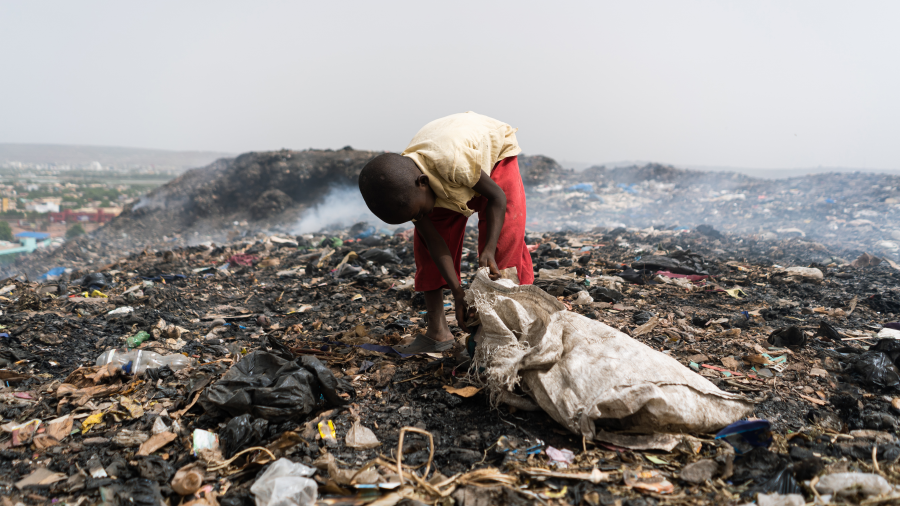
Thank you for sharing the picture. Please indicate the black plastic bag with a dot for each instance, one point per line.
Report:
(140, 492)
(380, 256)
(94, 281)
(890, 347)
(661, 263)
(243, 431)
(330, 385)
(603, 294)
(638, 277)
(782, 482)
(876, 369)
(155, 469)
(787, 336)
(827, 331)
(267, 386)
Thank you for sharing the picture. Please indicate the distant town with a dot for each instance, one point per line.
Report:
(43, 204)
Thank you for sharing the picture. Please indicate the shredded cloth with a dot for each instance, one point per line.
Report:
(587, 375)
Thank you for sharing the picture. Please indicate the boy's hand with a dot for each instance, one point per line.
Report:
(462, 309)
(487, 260)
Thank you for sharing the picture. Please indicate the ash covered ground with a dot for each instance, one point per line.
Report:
(213, 266)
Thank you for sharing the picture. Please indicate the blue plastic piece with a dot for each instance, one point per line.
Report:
(56, 271)
(629, 188)
(581, 187)
(368, 232)
(747, 434)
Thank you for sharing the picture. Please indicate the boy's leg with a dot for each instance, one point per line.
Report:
(452, 227)
(438, 330)
(511, 248)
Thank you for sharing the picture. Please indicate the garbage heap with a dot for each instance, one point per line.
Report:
(260, 371)
(271, 192)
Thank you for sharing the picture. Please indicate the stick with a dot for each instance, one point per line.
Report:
(225, 464)
(403, 432)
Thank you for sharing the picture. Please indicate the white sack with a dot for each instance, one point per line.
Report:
(581, 371)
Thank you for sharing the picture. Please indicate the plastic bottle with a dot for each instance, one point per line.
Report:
(136, 340)
(138, 361)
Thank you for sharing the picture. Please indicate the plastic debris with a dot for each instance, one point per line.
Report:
(747, 434)
(270, 387)
(853, 484)
(648, 480)
(138, 361)
(136, 340)
(560, 458)
(285, 483)
(360, 437)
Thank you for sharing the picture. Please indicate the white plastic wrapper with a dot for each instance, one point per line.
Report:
(285, 483)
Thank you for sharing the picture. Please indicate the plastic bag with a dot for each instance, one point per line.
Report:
(782, 482)
(851, 484)
(875, 368)
(380, 256)
(747, 434)
(604, 294)
(242, 431)
(586, 374)
(360, 437)
(285, 483)
(787, 336)
(890, 347)
(270, 387)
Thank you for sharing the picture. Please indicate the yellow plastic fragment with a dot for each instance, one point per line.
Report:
(90, 421)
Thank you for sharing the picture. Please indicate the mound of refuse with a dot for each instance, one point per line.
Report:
(272, 192)
(645, 366)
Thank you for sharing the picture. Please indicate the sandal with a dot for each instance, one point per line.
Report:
(422, 344)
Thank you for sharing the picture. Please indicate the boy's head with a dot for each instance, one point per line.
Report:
(395, 189)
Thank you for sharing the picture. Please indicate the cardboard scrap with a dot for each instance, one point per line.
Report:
(42, 476)
(156, 442)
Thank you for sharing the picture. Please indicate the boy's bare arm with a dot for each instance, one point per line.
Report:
(495, 214)
(440, 253)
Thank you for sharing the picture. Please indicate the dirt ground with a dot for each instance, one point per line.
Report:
(217, 304)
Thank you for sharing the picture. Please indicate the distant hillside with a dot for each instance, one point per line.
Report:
(107, 155)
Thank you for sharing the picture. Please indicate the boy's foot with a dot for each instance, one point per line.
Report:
(424, 344)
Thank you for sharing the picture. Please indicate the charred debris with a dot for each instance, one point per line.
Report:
(193, 369)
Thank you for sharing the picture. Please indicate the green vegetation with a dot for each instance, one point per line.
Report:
(74, 231)
(5, 231)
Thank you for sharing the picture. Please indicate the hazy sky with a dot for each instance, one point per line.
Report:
(751, 84)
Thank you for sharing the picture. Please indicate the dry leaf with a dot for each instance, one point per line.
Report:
(468, 391)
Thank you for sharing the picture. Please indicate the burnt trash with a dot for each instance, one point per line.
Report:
(642, 317)
(380, 256)
(787, 337)
(603, 294)
(241, 432)
(875, 368)
(828, 332)
(267, 386)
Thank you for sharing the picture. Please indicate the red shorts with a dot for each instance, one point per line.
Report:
(511, 250)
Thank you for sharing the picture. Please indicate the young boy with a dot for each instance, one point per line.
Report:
(454, 166)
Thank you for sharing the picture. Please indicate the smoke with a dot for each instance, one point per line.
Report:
(343, 206)
(152, 200)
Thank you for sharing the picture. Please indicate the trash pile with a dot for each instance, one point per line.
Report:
(852, 211)
(270, 192)
(261, 371)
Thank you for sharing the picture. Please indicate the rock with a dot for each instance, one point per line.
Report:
(699, 472)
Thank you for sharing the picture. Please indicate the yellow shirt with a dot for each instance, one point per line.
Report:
(453, 151)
